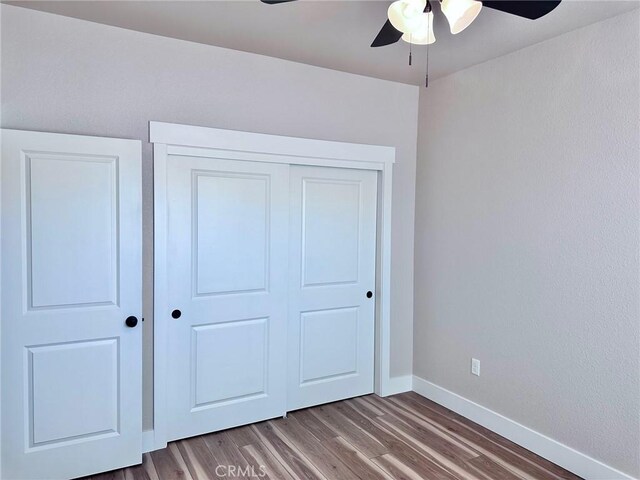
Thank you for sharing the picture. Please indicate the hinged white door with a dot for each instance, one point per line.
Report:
(226, 308)
(71, 276)
(331, 284)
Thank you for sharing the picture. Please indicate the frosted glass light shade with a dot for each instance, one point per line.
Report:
(405, 15)
(460, 13)
(423, 35)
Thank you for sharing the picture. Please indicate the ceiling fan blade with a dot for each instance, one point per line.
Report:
(275, 2)
(532, 9)
(387, 35)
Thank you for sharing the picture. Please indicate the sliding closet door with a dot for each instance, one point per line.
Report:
(227, 253)
(71, 305)
(332, 279)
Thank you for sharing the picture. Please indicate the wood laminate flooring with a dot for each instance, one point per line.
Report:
(401, 437)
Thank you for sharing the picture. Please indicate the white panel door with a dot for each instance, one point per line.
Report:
(227, 254)
(332, 280)
(71, 278)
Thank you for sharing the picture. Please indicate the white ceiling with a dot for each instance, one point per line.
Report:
(336, 34)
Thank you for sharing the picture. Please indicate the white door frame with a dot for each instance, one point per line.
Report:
(185, 140)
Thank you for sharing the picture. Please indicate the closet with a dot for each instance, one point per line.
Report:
(271, 275)
(268, 300)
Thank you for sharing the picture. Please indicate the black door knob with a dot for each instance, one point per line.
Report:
(176, 314)
(131, 321)
(369, 294)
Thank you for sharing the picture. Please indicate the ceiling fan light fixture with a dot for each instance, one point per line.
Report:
(406, 15)
(460, 13)
(423, 35)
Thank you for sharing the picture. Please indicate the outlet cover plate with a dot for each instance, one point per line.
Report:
(475, 366)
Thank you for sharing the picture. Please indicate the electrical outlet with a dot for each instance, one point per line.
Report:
(475, 366)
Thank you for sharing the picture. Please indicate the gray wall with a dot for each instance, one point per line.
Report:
(66, 75)
(527, 216)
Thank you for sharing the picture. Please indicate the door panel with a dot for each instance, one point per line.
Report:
(64, 192)
(330, 221)
(227, 272)
(243, 376)
(230, 233)
(324, 331)
(71, 275)
(332, 266)
(83, 375)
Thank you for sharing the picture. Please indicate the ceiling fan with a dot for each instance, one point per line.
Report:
(412, 20)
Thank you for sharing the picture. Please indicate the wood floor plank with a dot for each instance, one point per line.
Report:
(412, 457)
(242, 436)
(149, 467)
(395, 468)
(402, 437)
(289, 456)
(315, 426)
(364, 407)
(113, 475)
(144, 471)
(374, 401)
(136, 472)
(508, 454)
(439, 453)
(368, 444)
(358, 463)
(348, 414)
(401, 423)
(262, 460)
(421, 423)
(169, 465)
(387, 439)
(543, 463)
(226, 453)
(198, 458)
(330, 465)
(479, 443)
(424, 465)
(490, 469)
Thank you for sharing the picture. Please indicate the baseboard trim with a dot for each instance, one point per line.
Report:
(400, 384)
(554, 451)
